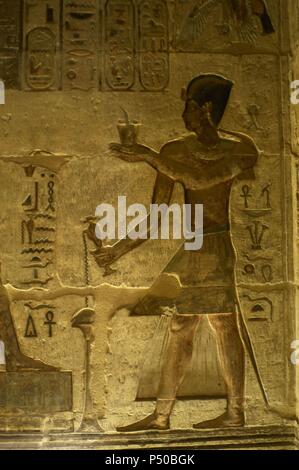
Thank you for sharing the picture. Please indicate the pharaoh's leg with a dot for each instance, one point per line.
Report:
(232, 360)
(177, 357)
(14, 358)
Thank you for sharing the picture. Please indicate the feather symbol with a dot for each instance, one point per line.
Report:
(195, 21)
(259, 8)
(243, 11)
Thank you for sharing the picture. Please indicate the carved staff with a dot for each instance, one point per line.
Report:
(249, 347)
(284, 411)
(83, 320)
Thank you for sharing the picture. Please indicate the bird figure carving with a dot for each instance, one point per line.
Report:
(242, 12)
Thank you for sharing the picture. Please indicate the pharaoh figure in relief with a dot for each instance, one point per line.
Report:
(206, 162)
(75, 64)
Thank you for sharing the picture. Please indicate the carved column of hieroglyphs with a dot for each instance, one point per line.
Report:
(153, 45)
(38, 237)
(120, 36)
(80, 44)
(41, 43)
(10, 42)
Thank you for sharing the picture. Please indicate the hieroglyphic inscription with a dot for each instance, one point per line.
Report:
(119, 44)
(80, 44)
(153, 45)
(38, 229)
(41, 43)
(66, 44)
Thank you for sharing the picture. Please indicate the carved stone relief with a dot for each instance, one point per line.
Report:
(157, 101)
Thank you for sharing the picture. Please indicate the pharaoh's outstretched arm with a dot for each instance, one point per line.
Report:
(134, 154)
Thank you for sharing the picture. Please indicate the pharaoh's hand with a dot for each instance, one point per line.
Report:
(88, 219)
(131, 154)
(37, 152)
(91, 232)
(105, 256)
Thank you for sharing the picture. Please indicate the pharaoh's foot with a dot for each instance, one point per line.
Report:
(152, 421)
(224, 421)
(22, 362)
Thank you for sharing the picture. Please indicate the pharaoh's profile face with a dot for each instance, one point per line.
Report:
(196, 117)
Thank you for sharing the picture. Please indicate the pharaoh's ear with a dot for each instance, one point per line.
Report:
(209, 106)
(184, 94)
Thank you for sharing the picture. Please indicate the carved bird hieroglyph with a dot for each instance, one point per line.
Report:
(242, 12)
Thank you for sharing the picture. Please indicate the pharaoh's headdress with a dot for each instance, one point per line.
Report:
(210, 88)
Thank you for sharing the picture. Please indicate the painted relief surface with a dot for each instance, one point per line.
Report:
(112, 109)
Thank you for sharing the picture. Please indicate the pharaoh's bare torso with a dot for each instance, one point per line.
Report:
(206, 174)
